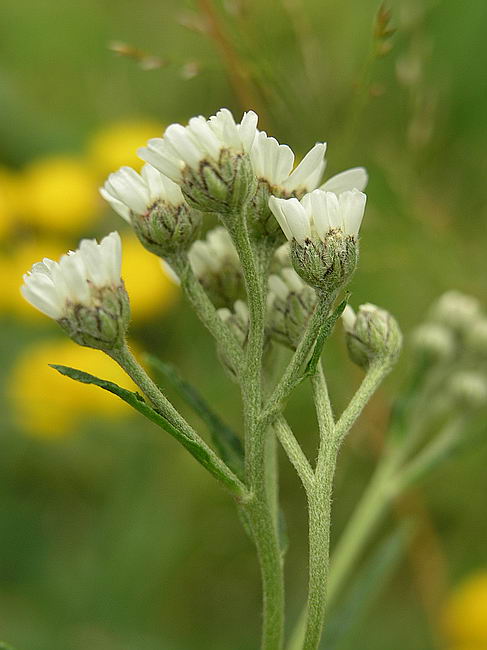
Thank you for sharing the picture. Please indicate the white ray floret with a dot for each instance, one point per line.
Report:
(202, 139)
(131, 193)
(273, 162)
(210, 255)
(319, 212)
(52, 287)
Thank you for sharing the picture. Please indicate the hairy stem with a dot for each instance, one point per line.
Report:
(260, 511)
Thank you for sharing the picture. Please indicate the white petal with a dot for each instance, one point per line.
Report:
(74, 273)
(352, 208)
(307, 168)
(278, 286)
(110, 249)
(297, 219)
(119, 207)
(275, 206)
(247, 130)
(206, 138)
(292, 279)
(39, 290)
(179, 138)
(130, 188)
(156, 153)
(348, 318)
(354, 178)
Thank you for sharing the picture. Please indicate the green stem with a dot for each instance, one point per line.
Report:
(294, 452)
(375, 375)
(129, 364)
(260, 510)
(207, 313)
(293, 372)
(319, 503)
(319, 500)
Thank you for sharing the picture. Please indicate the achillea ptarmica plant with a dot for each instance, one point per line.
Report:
(372, 334)
(84, 293)
(323, 230)
(209, 159)
(155, 207)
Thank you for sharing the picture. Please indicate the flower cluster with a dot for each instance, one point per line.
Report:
(452, 344)
(221, 166)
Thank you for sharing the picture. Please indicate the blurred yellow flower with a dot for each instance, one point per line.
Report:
(150, 289)
(17, 261)
(60, 194)
(9, 197)
(46, 404)
(116, 145)
(465, 614)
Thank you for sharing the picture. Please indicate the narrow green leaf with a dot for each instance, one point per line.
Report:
(137, 402)
(224, 438)
(325, 332)
(365, 588)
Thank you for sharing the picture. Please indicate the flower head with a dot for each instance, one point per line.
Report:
(156, 208)
(273, 165)
(83, 292)
(290, 303)
(208, 159)
(323, 230)
(216, 264)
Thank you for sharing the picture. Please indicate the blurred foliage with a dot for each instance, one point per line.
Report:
(111, 537)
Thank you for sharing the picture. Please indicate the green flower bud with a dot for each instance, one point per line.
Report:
(433, 341)
(372, 335)
(468, 389)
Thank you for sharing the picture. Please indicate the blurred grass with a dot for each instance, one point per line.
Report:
(112, 537)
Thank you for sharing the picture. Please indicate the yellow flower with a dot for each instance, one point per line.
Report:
(46, 404)
(60, 194)
(9, 196)
(465, 614)
(116, 145)
(17, 261)
(150, 289)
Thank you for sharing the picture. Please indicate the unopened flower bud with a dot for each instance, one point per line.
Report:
(154, 205)
(434, 341)
(468, 388)
(372, 335)
(84, 293)
(216, 264)
(290, 305)
(456, 310)
(209, 159)
(323, 231)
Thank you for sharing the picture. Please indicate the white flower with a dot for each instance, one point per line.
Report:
(469, 388)
(319, 212)
(131, 193)
(273, 163)
(53, 287)
(186, 146)
(434, 340)
(456, 310)
(355, 178)
(213, 254)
